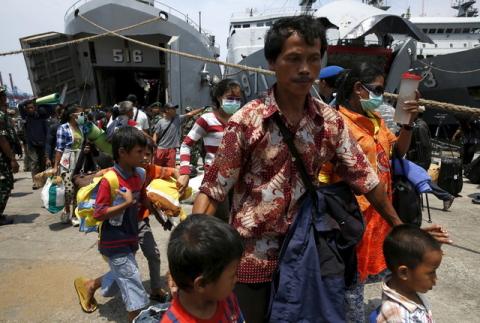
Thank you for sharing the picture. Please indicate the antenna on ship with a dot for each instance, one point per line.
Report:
(465, 8)
(377, 3)
(306, 5)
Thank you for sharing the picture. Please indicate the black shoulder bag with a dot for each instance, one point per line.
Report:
(341, 204)
(406, 200)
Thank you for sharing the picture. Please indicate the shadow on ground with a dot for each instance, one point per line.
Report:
(59, 226)
(20, 194)
(25, 218)
(113, 310)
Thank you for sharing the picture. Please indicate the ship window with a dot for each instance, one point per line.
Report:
(420, 57)
(425, 30)
(424, 45)
(475, 30)
(268, 23)
(237, 26)
(457, 30)
(436, 45)
(260, 24)
(246, 26)
(464, 44)
(451, 45)
(466, 30)
(440, 31)
(448, 30)
(431, 31)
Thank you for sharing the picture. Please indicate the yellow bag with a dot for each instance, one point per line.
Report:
(86, 197)
(164, 195)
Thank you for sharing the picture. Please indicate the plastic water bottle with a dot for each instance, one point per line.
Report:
(387, 112)
(117, 220)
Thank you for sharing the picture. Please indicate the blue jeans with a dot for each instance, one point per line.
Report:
(124, 276)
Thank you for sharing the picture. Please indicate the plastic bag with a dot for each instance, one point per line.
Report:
(53, 194)
(164, 196)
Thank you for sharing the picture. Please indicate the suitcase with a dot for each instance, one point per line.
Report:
(472, 171)
(451, 175)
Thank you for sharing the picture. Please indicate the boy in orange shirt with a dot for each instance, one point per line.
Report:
(203, 257)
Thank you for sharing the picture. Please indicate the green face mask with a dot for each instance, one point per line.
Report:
(372, 103)
(80, 119)
(231, 106)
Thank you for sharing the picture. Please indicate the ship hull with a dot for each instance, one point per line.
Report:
(105, 70)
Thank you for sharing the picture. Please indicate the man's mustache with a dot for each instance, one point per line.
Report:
(303, 79)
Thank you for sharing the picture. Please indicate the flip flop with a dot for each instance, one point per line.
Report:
(82, 294)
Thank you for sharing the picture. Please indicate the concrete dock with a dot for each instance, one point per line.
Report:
(40, 257)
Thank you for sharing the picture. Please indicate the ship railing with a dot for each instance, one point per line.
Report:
(255, 13)
(181, 15)
(156, 4)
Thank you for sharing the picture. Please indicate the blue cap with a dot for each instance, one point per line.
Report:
(329, 71)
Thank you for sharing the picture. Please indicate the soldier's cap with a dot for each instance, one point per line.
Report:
(132, 98)
(170, 106)
(156, 104)
(329, 71)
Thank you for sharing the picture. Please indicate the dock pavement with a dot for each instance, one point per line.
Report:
(40, 257)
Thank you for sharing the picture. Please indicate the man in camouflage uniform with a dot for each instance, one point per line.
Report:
(8, 163)
(156, 113)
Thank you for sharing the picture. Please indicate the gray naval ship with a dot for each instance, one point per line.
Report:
(444, 50)
(105, 70)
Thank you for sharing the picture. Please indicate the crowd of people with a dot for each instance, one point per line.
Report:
(224, 257)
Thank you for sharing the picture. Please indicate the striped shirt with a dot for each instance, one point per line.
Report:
(399, 309)
(208, 127)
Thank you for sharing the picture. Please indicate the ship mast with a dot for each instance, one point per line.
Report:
(465, 8)
(306, 5)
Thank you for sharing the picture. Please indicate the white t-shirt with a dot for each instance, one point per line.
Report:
(141, 120)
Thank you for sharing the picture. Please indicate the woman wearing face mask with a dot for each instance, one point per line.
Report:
(360, 94)
(227, 99)
(69, 143)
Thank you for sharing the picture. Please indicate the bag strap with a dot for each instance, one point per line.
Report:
(136, 115)
(164, 131)
(297, 159)
(112, 180)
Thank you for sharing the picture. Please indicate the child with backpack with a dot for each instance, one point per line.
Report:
(118, 232)
(413, 256)
(203, 255)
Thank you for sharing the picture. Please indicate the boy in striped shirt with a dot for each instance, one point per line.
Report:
(203, 256)
(413, 256)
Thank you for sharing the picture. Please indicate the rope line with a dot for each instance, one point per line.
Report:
(449, 107)
(443, 106)
(448, 71)
(76, 41)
